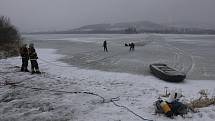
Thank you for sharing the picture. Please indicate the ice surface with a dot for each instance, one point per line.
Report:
(191, 54)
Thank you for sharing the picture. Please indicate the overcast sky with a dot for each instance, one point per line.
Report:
(43, 15)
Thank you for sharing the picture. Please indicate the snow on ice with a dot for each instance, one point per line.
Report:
(49, 97)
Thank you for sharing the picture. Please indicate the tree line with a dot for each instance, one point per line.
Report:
(10, 38)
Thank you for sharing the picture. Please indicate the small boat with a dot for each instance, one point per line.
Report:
(166, 73)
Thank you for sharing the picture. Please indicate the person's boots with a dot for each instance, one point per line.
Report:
(32, 72)
(22, 69)
(38, 72)
(26, 70)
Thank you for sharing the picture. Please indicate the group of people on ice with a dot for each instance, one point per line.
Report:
(131, 45)
(29, 53)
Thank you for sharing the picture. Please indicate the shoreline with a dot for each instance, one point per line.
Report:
(137, 92)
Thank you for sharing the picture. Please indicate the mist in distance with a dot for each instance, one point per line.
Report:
(45, 15)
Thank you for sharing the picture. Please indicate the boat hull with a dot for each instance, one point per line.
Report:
(162, 71)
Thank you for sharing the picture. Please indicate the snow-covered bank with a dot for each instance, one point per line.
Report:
(135, 92)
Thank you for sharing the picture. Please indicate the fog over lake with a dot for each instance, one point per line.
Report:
(43, 15)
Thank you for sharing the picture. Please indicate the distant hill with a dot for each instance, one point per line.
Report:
(136, 27)
(119, 27)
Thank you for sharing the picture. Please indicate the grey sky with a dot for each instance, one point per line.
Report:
(42, 15)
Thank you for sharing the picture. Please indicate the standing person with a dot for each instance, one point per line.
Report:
(25, 57)
(132, 46)
(33, 59)
(105, 46)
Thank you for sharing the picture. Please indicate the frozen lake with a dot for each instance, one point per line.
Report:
(191, 54)
(78, 90)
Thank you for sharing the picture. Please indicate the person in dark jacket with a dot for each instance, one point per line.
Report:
(105, 46)
(33, 59)
(25, 57)
(132, 46)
